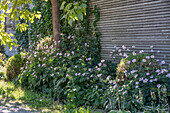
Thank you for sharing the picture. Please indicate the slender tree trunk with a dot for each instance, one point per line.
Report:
(56, 21)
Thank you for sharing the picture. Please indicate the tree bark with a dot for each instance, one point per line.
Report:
(56, 21)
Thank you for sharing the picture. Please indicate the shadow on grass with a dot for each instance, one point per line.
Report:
(9, 92)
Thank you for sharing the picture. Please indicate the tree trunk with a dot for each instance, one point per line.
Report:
(56, 21)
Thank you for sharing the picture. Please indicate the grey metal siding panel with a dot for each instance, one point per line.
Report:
(134, 22)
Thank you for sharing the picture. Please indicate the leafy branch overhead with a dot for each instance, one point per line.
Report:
(73, 11)
(15, 12)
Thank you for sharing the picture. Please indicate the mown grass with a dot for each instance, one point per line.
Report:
(35, 100)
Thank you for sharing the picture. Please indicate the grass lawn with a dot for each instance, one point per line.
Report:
(34, 100)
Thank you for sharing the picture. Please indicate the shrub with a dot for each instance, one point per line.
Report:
(138, 75)
(73, 75)
(12, 67)
(2, 58)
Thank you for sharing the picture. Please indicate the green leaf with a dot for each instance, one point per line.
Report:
(70, 22)
(80, 16)
(62, 5)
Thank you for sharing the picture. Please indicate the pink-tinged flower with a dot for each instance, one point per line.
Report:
(144, 60)
(21, 68)
(150, 81)
(115, 86)
(108, 77)
(55, 68)
(137, 83)
(67, 75)
(102, 61)
(98, 69)
(155, 79)
(128, 62)
(157, 70)
(60, 54)
(163, 70)
(99, 75)
(133, 46)
(159, 85)
(134, 53)
(168, 75)
(100, 64)
(52, 75)
(134, 60)
(147, 74)
(79, 73)
(76, 74)
(138, 101)
(125, 71)
(141, 51)
(72, 52)
(145, 80)
(89, 69)
(136, 75)
(123, 46)
(125, 55)
(151, 77)
(120, 54)
(111, 82)
(89, 59)
(91, 76)
(133, 71)
(119, 50)
(69, 37)
(75, 66)
(39, 65)
(114, 82)
(147, 57)
(84, 74)
(124, 92)
(118, 80)
(152, 56)
(68, 55)
(163, 62)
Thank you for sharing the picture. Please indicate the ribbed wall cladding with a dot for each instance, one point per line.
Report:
(141, 23)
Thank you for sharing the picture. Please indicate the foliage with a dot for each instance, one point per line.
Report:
(69, 74)
(14, 12)
(41, 27)
(12, 67)
(119, 111)
(73, 11)
(138, 75)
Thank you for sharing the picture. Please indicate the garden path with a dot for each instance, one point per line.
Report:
(15, 107)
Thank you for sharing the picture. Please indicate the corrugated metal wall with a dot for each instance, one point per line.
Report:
(134, 22)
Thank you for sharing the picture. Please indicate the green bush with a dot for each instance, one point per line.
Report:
(73, 75)
(12, 67)
(138, 76)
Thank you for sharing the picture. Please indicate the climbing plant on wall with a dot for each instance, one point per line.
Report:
(79, 27)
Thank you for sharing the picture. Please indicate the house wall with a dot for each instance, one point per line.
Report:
(141, 23)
